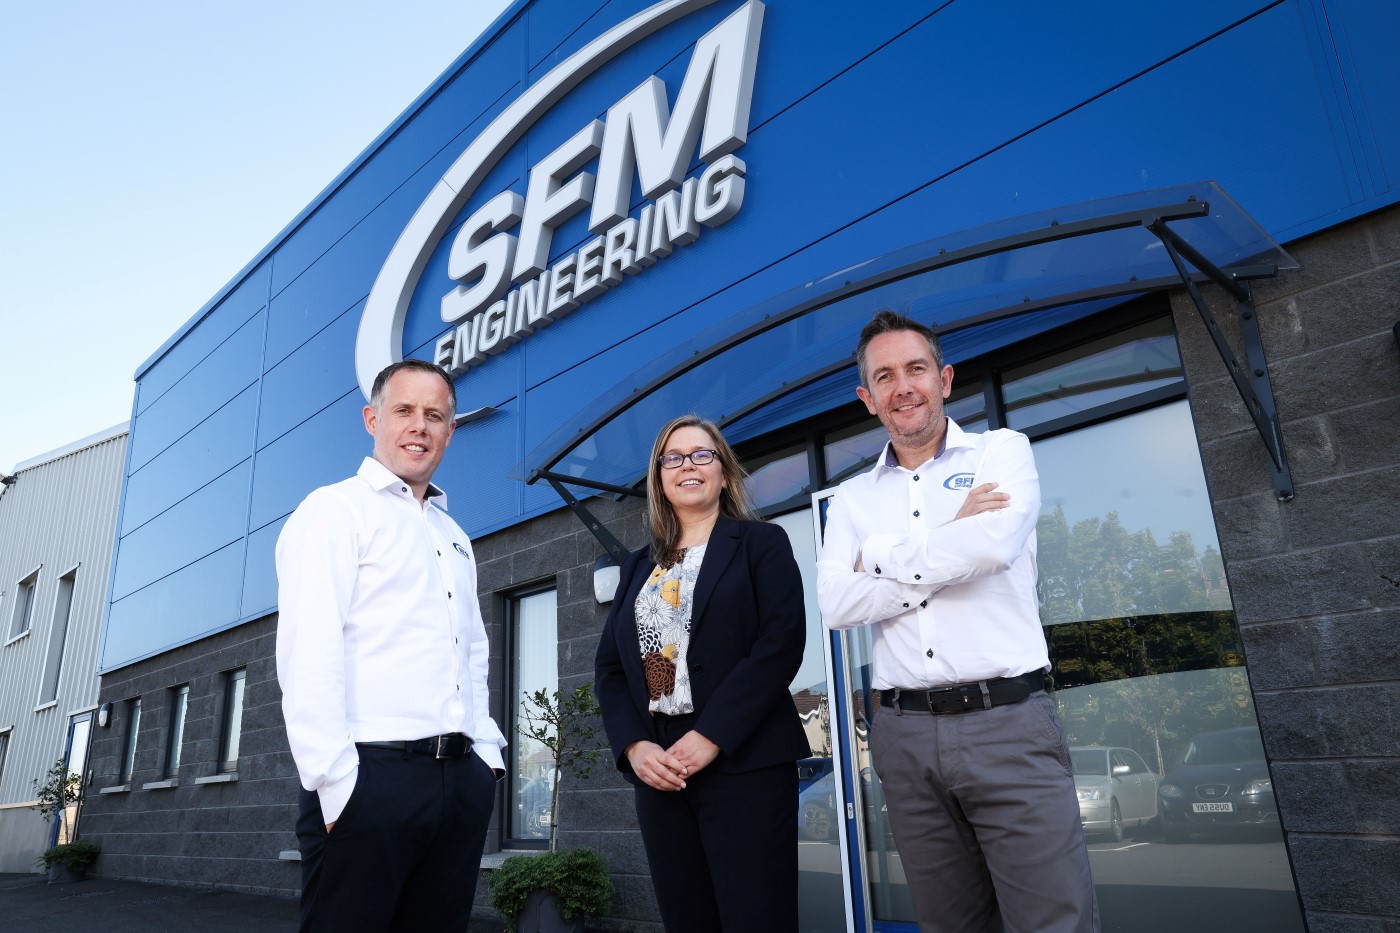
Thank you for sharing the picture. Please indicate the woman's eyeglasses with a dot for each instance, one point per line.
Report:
(697, 457)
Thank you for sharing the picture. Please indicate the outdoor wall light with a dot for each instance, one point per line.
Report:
(104, 715)
(8, 479)
(606, 574)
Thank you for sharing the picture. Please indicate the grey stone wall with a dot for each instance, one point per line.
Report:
(1316, 581)
(223, 834)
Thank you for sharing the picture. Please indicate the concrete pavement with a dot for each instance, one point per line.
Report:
(28, 904)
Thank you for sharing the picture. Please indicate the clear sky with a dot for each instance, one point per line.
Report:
(149, 150)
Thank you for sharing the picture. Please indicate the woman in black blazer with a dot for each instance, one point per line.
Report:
(705, 634)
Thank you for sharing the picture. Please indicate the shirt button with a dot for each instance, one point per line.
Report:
(449, 595)
(929, 652)
(877, 569)
(405, 488)
(916, 477)
(923, 604)
(906, 605)
(439, 553)
(916, 513)
(916, 577)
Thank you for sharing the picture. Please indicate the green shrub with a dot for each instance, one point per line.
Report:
(578, 879)
(74, 856)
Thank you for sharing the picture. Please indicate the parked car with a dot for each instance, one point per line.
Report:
(1115, 788)
(1221, 782)
(535, 804)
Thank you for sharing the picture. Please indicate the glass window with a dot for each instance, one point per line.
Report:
(233, 720)
(4, 748)
(179, 702)
(778, 476)
(534, 667)
(1097, 373)
(58, 637)
(24, 605)
(133, 727)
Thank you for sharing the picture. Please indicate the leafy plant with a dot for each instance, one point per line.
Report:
(74, 856)
(563, 723)
(61, 789)
(578, 879)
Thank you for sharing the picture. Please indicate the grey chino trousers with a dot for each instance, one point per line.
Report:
(986, 820)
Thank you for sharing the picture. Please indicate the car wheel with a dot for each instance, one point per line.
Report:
(1115, 824)
(816, 822)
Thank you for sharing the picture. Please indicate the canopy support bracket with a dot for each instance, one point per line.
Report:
(600, 531)
(1253, 384)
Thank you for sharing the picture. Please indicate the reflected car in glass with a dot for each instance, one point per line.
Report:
(816, 799)
(536, 806)
(1116, 789)
(1222, 782)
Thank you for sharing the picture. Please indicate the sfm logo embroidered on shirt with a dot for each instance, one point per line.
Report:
(958, 481)
(460, 550)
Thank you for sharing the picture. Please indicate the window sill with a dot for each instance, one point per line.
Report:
(15, 638)
(43, 706)
(161, 785)
(218, 778)
(115, 789)
(497, 859)
(289, 855)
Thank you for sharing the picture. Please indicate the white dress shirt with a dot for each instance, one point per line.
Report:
(379, 635)
(949, 601)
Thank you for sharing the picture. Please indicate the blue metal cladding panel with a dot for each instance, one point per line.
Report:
(872, 127)
(217, 324)
(175, 610)
(214, 447)
(200, 524)
(260, 575)
(1366, 33)
(312, 377)
(324, 449)
(218, 378)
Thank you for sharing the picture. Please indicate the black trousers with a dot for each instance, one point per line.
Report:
(723, 852)
(404, 855)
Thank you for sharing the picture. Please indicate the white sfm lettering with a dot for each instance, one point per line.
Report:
(640, 140)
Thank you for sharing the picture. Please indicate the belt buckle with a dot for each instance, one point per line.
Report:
(443, 745)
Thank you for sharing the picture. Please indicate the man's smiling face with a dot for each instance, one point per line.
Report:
(907, 388)
(411, 426)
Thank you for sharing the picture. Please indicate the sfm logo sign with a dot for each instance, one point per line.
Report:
(506, 291)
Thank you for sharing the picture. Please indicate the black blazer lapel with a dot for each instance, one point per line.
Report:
(723, 545)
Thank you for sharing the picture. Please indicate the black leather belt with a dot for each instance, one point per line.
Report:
(963, 698)
(449, 745)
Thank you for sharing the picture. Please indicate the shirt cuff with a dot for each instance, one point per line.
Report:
(491, 754)
(334, 795)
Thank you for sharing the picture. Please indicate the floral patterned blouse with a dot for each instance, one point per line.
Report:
(663, 629)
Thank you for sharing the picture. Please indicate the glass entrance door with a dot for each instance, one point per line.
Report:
(1174, 788)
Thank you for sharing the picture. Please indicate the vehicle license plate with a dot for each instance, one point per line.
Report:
(1212, 808)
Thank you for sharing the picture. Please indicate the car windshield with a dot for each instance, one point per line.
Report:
(1222, 748)
(1089, 761)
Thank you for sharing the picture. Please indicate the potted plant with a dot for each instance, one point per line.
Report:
(551, 892)
(68, 861)
(59, 796)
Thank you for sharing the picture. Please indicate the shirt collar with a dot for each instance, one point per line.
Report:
(381, 479)
(954, 436)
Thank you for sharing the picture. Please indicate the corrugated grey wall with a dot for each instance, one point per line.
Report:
(58, 517)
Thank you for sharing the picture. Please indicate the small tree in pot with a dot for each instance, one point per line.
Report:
(553, 891)
(61, 790)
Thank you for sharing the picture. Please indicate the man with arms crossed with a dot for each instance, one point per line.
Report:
(382, 656)
(934, 549)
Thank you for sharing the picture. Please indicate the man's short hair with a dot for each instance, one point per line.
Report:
(886, 321)
(376, 394)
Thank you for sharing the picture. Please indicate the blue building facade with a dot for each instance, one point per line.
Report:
(596, 192)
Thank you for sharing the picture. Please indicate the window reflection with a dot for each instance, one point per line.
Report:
(536, 667)
(779, 476)
(1102, 371)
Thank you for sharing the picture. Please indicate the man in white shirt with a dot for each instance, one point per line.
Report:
(934, 549)
(382, 659)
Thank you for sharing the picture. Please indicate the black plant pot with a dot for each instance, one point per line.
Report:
(541, 916)
(62, 874)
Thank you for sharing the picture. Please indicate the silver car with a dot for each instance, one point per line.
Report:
(1115, 788)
